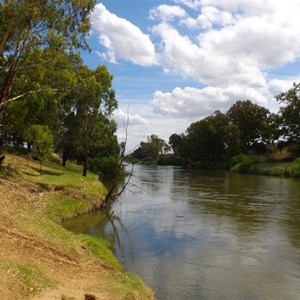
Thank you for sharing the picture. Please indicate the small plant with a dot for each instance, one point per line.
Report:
(241, 163)
(295, 169)
(41, 140)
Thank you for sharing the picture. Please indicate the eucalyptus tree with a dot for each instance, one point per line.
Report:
(94, 102)
(29, 26)
(251, 121)
(205, 139)
(290, 117)
(47, 107)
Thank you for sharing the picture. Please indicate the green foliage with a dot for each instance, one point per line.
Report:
(295, 168)
(149, 161)
(30, 26)
(241, 163)
(290, 117)
(205, 139)
(170, 160)
(106, 166)
(41, 140)
(251, 120)
(176, 142)
(152, 148)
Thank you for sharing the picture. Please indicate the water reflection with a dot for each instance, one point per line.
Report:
(207, 235)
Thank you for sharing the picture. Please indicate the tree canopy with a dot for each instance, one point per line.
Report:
(48, 98)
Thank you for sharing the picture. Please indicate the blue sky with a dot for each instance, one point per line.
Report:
(178, 61)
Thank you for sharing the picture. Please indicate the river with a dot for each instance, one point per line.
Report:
(193, 234)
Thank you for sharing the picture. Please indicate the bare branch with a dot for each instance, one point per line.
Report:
(25, 94)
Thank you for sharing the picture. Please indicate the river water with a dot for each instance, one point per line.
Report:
(193, 234)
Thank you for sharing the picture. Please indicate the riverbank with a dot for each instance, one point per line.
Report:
(39, 259)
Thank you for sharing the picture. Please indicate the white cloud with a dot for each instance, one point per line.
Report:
(197, 103)
(155, 124)
(230, 46)
(277, 86)
(122, 39)
(194, 4)
(238, 43)
(122, 118)
(167, 12)
(206, 63)
(210, 15)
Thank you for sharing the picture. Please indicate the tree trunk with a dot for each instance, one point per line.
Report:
(65, 157)
(85, 163)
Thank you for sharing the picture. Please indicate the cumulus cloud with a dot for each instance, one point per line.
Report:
(167, 12)
(194, 4)
(238, 43)
(122, 117)
(277, 86)
(228, 46)
(206, 63)
(192, 102)
(122, 39)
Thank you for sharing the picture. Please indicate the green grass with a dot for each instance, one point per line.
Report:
(272, 169)
(28, 279)
(42, 218)
(100, 248)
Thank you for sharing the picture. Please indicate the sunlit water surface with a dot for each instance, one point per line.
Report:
(205, 234)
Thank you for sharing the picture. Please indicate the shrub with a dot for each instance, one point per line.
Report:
(295, 169)
(106, 166)
(170, 160)
(41, 140)
(148, 161)
(241, 163)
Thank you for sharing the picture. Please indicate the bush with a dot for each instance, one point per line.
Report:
(241, 163)
(106, 166)
(295, 169)
(170, 160)
(41, 140)
(148, 161)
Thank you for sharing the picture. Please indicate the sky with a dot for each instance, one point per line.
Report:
(177, 61)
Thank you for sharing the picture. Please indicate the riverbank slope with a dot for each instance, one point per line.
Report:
(39, 259)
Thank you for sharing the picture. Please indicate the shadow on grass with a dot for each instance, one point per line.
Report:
(44, 172)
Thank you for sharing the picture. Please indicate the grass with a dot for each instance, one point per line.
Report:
(29, 280)
(42, 216)
(272, 169)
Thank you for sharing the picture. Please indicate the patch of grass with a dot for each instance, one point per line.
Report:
(28, 279)
(128, 286)
(100, 248)
(272, 169)
(67, 207)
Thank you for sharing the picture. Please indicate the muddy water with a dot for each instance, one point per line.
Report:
(206, 235)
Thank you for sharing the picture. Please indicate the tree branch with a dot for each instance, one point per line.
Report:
(28, 93)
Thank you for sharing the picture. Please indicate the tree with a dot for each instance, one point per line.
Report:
(47, 107)
(27, 27)
(175, 141)
(94, 102)
(205, 139)
(152, 148)
(290, 117)
(41, 140)
(251, 121)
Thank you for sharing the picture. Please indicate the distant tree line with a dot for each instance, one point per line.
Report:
(246, 128)
(49, 100)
